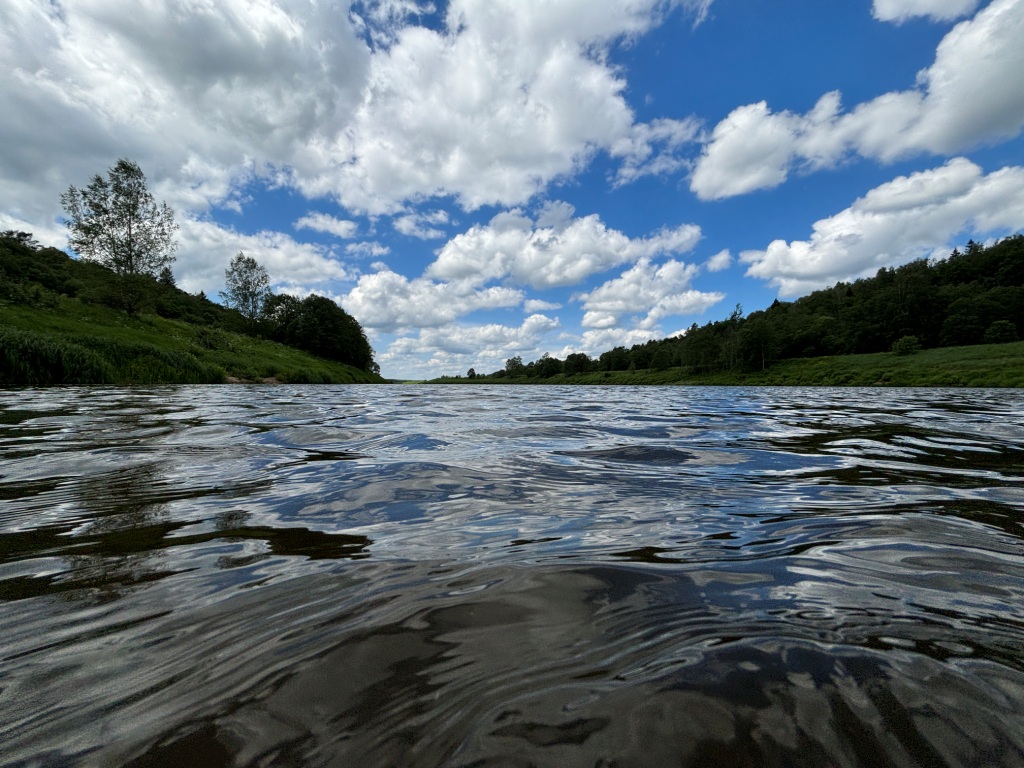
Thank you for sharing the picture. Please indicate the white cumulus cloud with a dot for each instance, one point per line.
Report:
(205, 250)
(909, 217)
(490, 340)
(457, 347)
(654, 290)
(358, 103)
(507, 97)
(367, 250)
(388, 301)
(972, 94)
(422, 225)
(653, 149)
(719, 262)
(938, 10)
(596, 341)
(538, 305)
(322, 222)
(563, 254)
(239, 83)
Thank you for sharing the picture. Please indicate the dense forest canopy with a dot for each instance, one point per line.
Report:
(974, 296)
(32, 275)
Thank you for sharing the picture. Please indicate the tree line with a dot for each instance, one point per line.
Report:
(314, 324)
(974, 296)
(125, 241)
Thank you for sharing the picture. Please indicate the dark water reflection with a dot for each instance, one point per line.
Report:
(538, 576)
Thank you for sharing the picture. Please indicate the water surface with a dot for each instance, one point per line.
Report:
(485, 576)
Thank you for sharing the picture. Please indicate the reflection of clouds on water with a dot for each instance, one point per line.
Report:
(439, 576)
(956, 583)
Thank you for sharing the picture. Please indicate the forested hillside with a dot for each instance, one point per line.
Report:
(52, 305)
(971, 297)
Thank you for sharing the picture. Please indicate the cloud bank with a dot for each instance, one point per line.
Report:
(963, 100)
(909, 217)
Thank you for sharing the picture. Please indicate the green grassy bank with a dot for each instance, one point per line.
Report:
(988, 365)
(73, 343)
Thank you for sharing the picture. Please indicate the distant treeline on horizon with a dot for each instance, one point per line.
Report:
(975, 296)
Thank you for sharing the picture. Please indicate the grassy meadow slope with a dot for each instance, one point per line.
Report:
(74, 343)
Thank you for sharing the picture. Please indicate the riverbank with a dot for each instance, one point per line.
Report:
(986, 365)
(82, 344)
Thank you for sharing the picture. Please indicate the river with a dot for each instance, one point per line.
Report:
(511, 576)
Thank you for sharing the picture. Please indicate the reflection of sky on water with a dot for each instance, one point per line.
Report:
(421, 575)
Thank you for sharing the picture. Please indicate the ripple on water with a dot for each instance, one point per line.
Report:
(504, 576)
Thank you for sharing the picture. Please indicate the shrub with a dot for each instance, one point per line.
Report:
(1001, 332)
(906, 345)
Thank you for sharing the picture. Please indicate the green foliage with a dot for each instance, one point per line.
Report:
(1000, 365)
(576, 363)
(319, 326)
(31, 358)
(971, 297)
(83, 344)
(116, 222)
(43, 290)
(514, 367)
(547, 367)
(140, 363)
(248, 286)
(32, 294)
(617, 359)
(1001, 332)
(34, 360)
(23, 239)
(26, 270)
(906, 345)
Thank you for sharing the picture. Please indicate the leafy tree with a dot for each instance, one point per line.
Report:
(972, 296)
(248, 287)
(471, 373)
(906, 345)
(280, 309)
(614, 360)
(514, 367)
(116, 222)
(662, 359)
(962, 328)
(577, 362)
(1001, 332)
(21, 238)
(548, 366)
(318, 325)
(758, 343)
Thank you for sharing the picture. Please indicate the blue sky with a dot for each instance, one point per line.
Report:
(479, 179)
